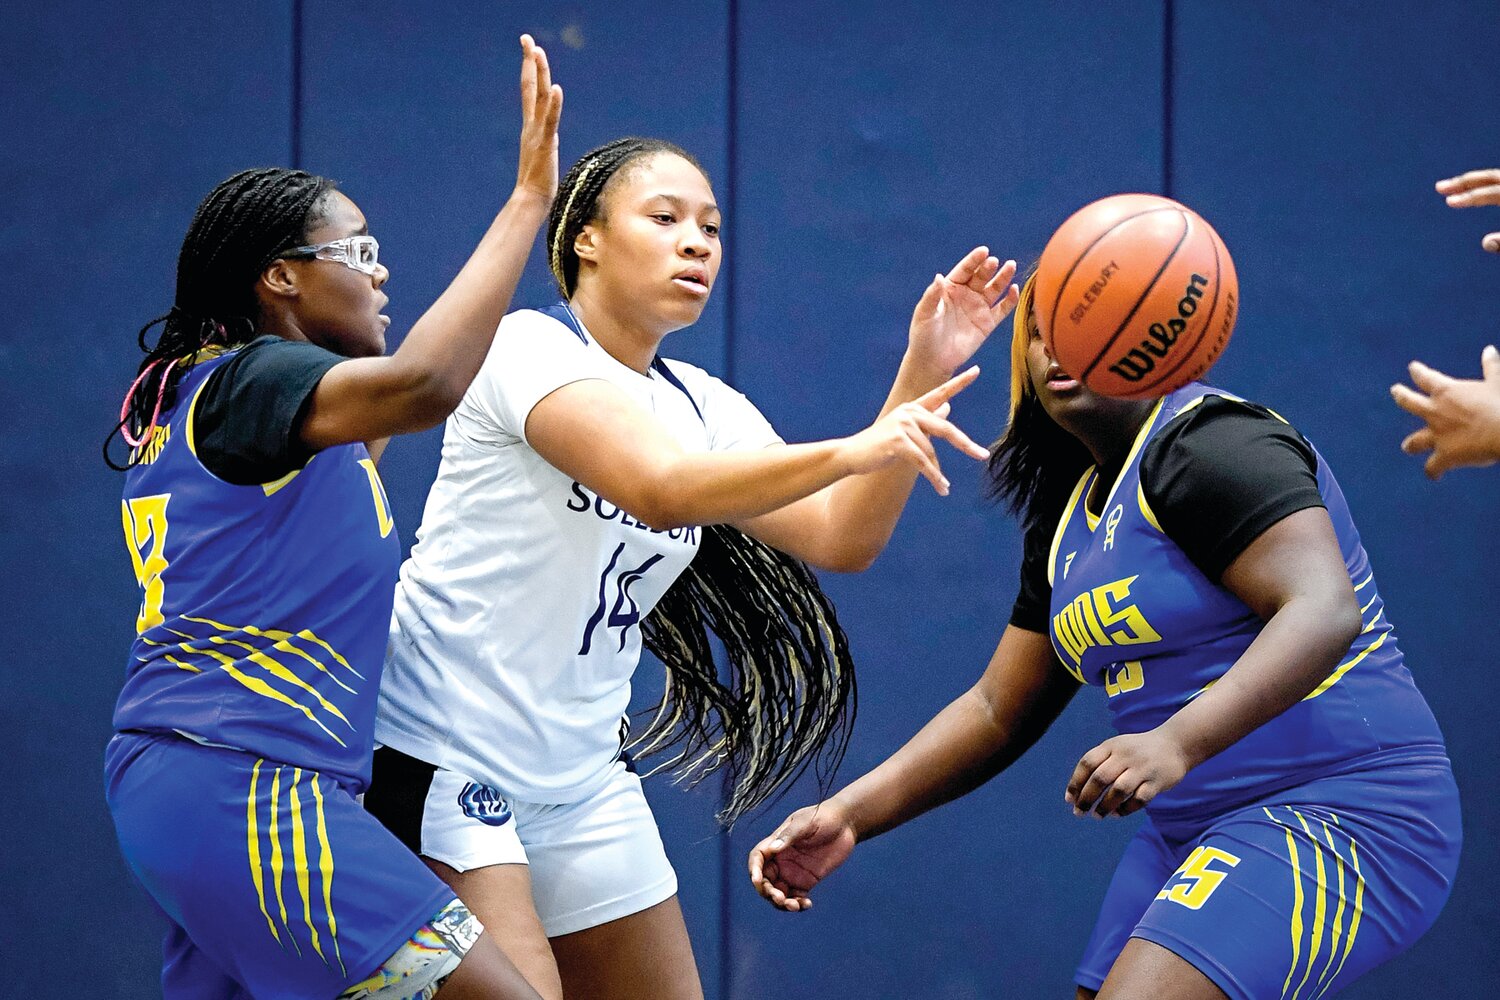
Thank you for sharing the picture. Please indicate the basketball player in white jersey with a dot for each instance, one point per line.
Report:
(580, 477)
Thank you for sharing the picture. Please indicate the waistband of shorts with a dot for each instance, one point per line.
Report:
(1184, 822)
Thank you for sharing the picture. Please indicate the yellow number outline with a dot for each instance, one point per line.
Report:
(1203, 879)
(145, 521)
(382, 503)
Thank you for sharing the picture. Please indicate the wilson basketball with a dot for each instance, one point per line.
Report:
(1136, 296)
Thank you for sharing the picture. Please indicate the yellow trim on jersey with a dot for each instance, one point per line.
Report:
(1325, 979)
(252, 835)
(282, 640)
(1062, 523)
(1146, 511)
(1338, 674)
(325, 869)
(1320, 911)
(277, 867)
(1364, 583)
(299, 857)
(276, 484)
(192, 440)
(1338, 916)
(1135, 449)
(261, 688)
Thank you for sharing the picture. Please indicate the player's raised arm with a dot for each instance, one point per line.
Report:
(421, 383)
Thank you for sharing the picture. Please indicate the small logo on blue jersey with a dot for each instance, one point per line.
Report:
(1111, 524)
(483, 803)
(1068, 563)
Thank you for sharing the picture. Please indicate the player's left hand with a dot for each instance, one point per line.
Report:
(959, 310)
(1122, 774)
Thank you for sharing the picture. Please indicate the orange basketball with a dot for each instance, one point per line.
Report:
(1136, 296)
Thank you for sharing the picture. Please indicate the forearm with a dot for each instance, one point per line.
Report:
(1295, 651)
(448, 344)
(725, 487)
(862, 511)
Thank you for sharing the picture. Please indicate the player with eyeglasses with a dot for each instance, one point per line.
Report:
(264, 546)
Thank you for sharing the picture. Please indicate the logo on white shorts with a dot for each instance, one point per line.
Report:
(483, 803)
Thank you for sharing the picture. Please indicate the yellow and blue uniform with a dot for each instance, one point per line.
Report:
(1317, 846)
(244, 728)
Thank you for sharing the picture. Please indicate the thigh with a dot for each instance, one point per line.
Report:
(1148, 861)
(273, 872)
(500, 896)
(645, 956)
(1147, 971)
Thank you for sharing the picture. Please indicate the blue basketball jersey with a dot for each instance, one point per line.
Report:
(1131, 613)
(264, 608)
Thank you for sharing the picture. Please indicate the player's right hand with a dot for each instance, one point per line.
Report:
(804, 850)
(905, 435)
(541, 107)
(1477, 187)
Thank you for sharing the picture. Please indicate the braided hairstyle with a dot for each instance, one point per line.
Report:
(580, 201)
(238, 230)
(785, 699)
(1036, 462)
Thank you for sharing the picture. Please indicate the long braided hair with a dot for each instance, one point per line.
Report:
(241, 227)
(786, 699)
(1035, 463)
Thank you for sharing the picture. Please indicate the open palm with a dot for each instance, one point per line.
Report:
(958, 311)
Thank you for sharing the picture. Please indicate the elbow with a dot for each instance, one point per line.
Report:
(424, 398)
(1339, 618)
(849, 559)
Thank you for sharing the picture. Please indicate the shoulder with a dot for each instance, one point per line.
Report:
(1223, 434)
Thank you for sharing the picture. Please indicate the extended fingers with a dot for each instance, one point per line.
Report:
(934, 425)
(1489, 363)
(964, 271)
(1098, 782)
(1411, 401)
(1419, 441)
(997, 286)
(955, 385)
(1428, 379)
(1469, 181)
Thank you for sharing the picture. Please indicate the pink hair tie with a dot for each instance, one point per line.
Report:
(146, 435)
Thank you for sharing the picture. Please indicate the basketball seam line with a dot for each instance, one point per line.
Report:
(1187, 227)
(1052, 317)
(1208, 321)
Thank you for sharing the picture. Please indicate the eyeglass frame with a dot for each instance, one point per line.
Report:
(342, 251)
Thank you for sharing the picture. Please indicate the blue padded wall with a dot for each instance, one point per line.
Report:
(856, 150)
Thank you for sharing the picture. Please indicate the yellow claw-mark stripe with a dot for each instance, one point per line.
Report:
(260, 687)
(1362, 584)
(280, 672)
(276, 484)
(325, 868)
(252, 833)
(1367, 606)
(1359, 906)
(185, 666)
(280, 640)
(1338, 674)
(299, 858)
(1320, 911)
(276, 858)
(1291, 848)
(1324, 980)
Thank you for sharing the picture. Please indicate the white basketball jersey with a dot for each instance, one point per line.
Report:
(516, 625)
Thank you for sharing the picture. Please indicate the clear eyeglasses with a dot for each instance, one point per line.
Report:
(362, 253)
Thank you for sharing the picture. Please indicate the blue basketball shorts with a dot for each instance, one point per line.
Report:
(276, 883)
(1296, 896)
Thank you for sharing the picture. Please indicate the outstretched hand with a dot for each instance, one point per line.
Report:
(803, 851)
(958, 311)
(906, 433)
(1462, 416)
(541, 108)
(1477, 187)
